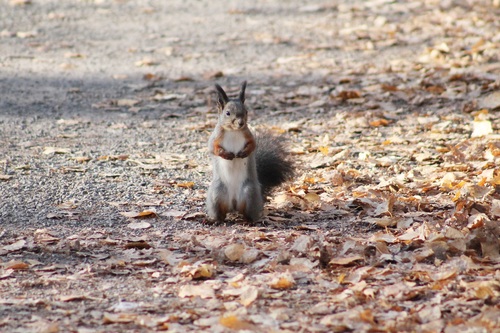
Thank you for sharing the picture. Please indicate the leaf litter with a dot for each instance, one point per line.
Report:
(391, 226)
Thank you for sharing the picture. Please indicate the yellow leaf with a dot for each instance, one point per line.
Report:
(324, 150)
(185, 185)
(312, 197)
(310, 180)
(143, 214)
(379, 122)
(235, 323)
(283, 282)
(484, 292)
(367, 316)
(204, 271)
(482, 181)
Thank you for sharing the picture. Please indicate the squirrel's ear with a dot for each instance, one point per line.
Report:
(222, 97)
(242, 92)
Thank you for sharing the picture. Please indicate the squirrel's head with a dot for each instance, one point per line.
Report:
(232, 112)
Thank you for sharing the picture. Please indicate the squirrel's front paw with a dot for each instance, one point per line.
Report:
(242, 154)
(226, 155)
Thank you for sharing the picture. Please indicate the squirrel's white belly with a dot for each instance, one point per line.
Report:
(233, 172)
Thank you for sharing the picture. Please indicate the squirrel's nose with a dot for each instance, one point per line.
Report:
(241, 122)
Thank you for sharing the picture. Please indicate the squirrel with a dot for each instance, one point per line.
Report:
(245, 168)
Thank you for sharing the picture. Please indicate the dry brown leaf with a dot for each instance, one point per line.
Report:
(16, 265)
(193, 216)
(346, 261)
(137, 245)
(121, 318)
(55, 150)
(20, 2)
(16, 246)
(143, 214)
(495, 207)
(477, 220)
(70, 298)
(349, 94)
(234, 252)
(443, 275)
(249, 295)
(177, 214)
(203, 291)
(127, 102)
(367, 316)
(139, 225)
(385, 207)
(301, 244)
(6, 177)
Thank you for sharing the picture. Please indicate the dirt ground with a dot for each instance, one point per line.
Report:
(390, 110)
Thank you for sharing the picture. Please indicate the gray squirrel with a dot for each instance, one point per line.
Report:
(245, 168)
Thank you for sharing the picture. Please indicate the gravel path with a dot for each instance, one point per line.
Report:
(106, 107)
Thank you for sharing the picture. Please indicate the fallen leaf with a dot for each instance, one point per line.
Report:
(16, 265)
(349, 94)
(301, 244)
(127, 102)
(146, 62)
(249, 295)
(70, 298)
(55, 150)
(203, 291)
(185, 185)
(234, 323)
(234, 252)
(16, 246)
(139, 225)
(121, 318)
(174, 213)
(346, 261)
(143, 214)
(203, 271)
(282, 282)
(137, 245)
(481, 128)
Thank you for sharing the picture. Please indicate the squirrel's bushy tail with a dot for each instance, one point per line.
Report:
(273, 164)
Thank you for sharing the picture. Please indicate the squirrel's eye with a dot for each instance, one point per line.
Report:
(228, 113)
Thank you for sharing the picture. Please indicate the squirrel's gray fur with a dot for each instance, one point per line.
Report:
(245, 169)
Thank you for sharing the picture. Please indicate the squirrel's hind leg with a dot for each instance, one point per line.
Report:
(251, 203)
(217, 202)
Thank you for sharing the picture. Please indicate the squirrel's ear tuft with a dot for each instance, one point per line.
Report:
(242, 92)
(222, 97)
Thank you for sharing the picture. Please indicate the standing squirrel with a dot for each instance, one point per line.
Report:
(245, 169)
